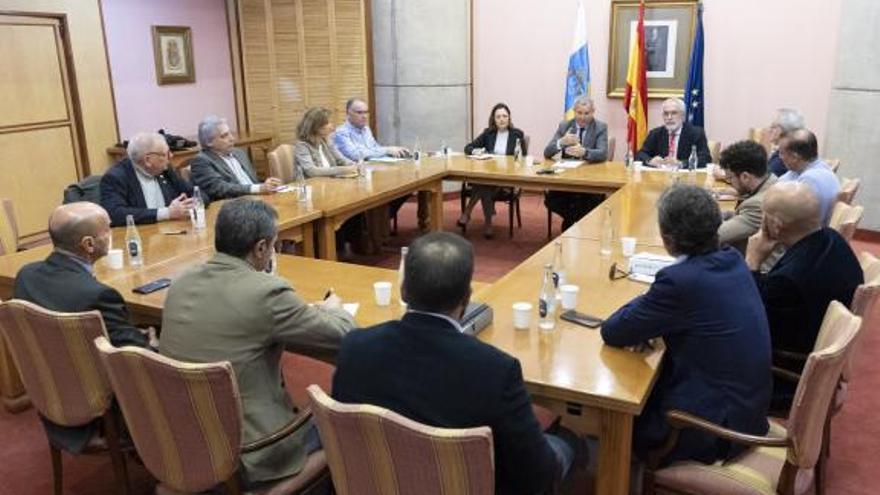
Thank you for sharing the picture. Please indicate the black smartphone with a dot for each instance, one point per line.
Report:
(545, 171)
(581, 319)
(153, 286)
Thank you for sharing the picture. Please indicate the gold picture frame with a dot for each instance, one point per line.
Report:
(172, 51)
(669, 35)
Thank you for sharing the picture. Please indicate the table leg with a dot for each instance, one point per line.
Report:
(436, 208)
(423, 210)
(308, 233)
(615, 444)
(327, 239)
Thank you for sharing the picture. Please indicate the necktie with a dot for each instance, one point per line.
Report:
(671, 145)
(581, 135)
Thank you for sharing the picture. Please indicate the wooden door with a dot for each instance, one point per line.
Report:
(39, 143)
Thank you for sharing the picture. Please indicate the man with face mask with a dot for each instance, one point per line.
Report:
(231, 309)
(65, 281)
(672, 142)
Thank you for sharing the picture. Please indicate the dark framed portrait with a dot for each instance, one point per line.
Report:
(172, 50)
(669, 34)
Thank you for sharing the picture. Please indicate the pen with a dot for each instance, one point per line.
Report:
(328, 293)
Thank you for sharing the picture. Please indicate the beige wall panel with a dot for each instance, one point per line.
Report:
(31, 91)
(36, 166)
(90, 67)
(291, 99)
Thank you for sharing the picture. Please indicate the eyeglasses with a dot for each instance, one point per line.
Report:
(615, 273)
(163, 154)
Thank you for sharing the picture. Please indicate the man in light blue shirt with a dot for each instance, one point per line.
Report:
(800, 154)
(355, 140)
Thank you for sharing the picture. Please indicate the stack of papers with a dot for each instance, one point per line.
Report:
(643, 267)
(568, 164)
(387, 159)
(481, 157)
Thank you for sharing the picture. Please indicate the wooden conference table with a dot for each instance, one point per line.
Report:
(596, 388)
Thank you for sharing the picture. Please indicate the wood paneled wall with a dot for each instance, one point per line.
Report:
(296, 54)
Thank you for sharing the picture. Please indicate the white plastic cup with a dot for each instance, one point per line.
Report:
(530, 160)
(569, 294)
(628, 246)
(522, 315)
(383, 293)
(115, 259)
(637, 165)
(710, 169)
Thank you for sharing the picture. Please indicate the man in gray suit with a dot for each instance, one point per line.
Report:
(584, 138)
(231, 309)
(221, 170)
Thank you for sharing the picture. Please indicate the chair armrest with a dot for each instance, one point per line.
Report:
(680, 420)
(279, 435)
(791, 355)
(786, 375)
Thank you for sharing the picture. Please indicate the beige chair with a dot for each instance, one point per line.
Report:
(281, 163)
(785, 460)
(185, 171)
(870, 266)
(848, 190)
(185, 420)
(760, 135)
(845, 219)
(63, 377)
(413, 458)
(8, 227)
(834, 163)
(715, 151)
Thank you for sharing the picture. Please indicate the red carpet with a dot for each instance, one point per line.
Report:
(24, 456)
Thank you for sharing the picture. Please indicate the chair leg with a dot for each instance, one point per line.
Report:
(463, 196)
(57, 469)
(549, 224)
(111, 432)
(518, 213)
(232, 485)
(510, 213)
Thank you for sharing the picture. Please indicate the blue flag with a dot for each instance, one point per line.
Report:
(577, 82)
(694, 94)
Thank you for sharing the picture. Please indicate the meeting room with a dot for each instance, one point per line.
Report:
(642, 231)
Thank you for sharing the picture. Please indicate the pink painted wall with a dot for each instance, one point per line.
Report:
(141, 104)
(759, 56)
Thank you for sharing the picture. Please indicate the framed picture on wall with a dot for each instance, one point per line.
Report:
(172, 49)
(669, 35)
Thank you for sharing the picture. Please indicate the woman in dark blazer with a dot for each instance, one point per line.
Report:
(499, 138)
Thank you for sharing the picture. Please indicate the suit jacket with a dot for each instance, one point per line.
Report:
(211, 173)
(425, 369)
(776, 165)
(224, 310)
(121, 193)
(657, 144)
(717, 363)
(813, 272)
(595, 140)
(307, 158)
(747, 218)
(486, 140)
(60, 283)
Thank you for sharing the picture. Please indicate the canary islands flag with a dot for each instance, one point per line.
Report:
(577, 82)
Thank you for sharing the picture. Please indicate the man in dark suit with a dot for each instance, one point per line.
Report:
(426, 369)
(674, 140)
(65, 282)
(818, 267)
(221, 170)
(584, 138)
(143, 185)
(709, 313)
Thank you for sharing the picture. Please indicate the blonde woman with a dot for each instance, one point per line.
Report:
(315, 153)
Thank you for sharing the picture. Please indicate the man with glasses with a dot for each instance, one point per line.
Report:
(672, 141)
(745, 166)
(355, 140)
(143, 185)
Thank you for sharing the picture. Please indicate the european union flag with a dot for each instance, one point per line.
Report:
(577, 82)
(694, 95)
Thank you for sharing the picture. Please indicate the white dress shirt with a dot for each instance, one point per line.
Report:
(324, 163)
(238, 171)
(152, 191)
(501, 143)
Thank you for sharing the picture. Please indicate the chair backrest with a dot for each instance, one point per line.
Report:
(371, 450)
(527, 141)
(281, 163)
(612, 143)
(8, 227)
(57, 361)
(760, 135)
(834, 163)
(870, 267)
(848, 190)
(88, 189)
(715, 150)
(185, 419)
(818, 383)
(845, 219)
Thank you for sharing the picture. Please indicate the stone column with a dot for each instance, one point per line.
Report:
(422, 72)
(853, 131)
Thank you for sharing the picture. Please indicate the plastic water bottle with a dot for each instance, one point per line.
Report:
(517, 152)
(133, 243)
(444, 150)
(607, 239)
(299, 180)
(417, 152)
(692, 161)
(198, 211)
(628, 159)
(401, 270)
(558, 265)
(547, 301)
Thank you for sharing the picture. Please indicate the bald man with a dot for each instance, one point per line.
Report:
(65, 281)
(818, 267)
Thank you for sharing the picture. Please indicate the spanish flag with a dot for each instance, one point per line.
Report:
(636, 99)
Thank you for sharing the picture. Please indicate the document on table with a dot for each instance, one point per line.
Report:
(351, 308)
(387, 159)
(482, 157)
(568, 164)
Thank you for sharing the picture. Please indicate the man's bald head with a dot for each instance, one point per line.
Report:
(69, 224)
(794, 208)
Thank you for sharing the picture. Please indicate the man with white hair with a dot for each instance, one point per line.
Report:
(221, 170)
(673, 141)
(144, 186)
(787, 120)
